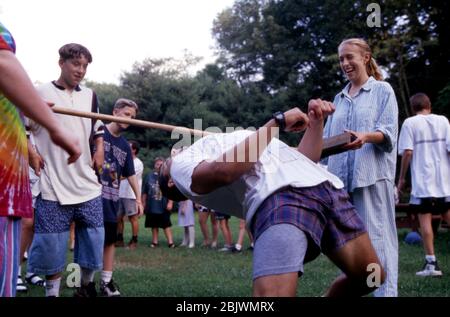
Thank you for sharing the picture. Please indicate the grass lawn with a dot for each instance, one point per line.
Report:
(182, 272)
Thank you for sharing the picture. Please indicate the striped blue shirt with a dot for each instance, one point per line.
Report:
(373, 108)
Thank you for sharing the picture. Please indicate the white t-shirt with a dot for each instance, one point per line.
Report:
(428, 136)
(125, 190)
(278, 166)
(75, 183)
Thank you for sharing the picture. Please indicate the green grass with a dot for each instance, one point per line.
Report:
(182, 272)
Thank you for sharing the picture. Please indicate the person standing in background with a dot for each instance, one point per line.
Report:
(367, 108)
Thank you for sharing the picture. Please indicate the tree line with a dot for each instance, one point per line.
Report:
(275, 54)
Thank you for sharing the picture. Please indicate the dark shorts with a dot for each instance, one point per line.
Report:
(205, 209)
(158, 220)
(322, 212)
(435, 206)
(110, 232)
(221, 216)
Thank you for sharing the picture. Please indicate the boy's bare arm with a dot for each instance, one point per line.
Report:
(17, 87)
(209, 176)
(312, 142)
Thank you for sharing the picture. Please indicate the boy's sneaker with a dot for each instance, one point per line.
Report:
(86, 290)
(430, 269)
(236, 248)
(21, 287)
(34, 279)
(226, 248)
(109, 289)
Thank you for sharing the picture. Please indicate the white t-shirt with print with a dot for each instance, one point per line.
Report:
(278, 166)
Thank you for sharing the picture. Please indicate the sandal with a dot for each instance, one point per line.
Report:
(21, 286)
(171, 245)
(35, 280)
(154, 245)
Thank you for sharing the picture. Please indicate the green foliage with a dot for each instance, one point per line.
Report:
(442, 104)
(290, 46)
(274, 55)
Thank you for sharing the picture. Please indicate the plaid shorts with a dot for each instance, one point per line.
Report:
(323, 212)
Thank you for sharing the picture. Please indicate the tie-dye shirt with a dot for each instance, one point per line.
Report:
(15, 193)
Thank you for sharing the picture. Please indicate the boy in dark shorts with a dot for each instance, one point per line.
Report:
(118, 163)
(425, 142)
(294, 207)
(157, 208)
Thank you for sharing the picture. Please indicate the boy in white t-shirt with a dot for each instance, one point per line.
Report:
(294, 208)
(425, 142)
(127, 202)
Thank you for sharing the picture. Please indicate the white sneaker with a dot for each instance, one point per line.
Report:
(109, 289)
(430, 269)
(21, 287)
(226, 248)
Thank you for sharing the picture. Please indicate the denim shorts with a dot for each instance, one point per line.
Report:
(48, 251)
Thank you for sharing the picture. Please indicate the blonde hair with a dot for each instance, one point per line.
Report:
(372, 66)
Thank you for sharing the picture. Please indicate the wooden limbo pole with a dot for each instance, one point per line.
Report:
(139, 123)
(331, 146)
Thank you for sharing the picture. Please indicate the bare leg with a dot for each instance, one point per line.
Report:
(108, 257)
(241, 234)
(169, 237)
(226, 232)
(356, 259)
(120, 225)
(280, 285)
(134, 225)
(215, 229)
(155, 232)
(202, 219)
(427, 233)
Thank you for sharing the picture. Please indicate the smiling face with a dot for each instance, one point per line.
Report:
(353, 61)
(73, 71)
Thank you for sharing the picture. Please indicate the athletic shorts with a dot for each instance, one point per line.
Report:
(161, 220)
(127, 207)
(433, 205)
(221, 216)
(110, 232)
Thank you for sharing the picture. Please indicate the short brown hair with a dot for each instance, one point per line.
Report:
(135, 146)
(419, 102)
(122, 103)
(74, 50)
